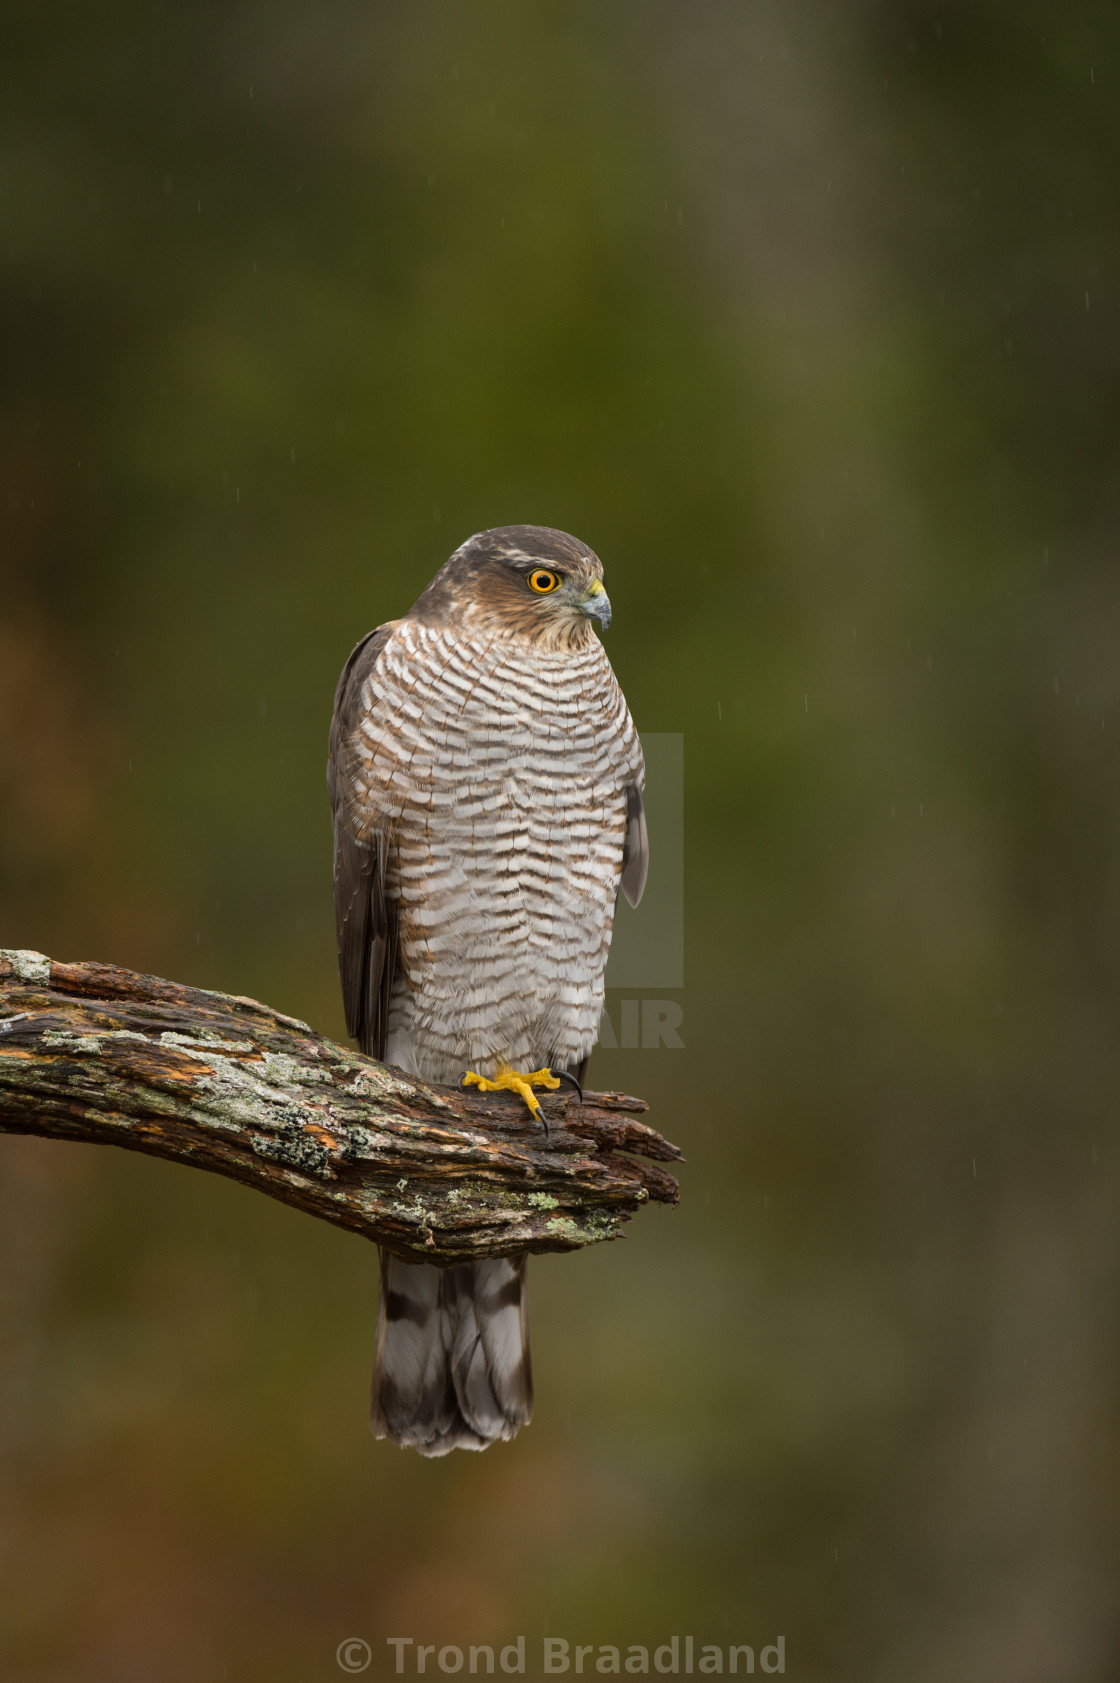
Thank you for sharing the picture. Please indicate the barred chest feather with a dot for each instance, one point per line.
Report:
(499, 771)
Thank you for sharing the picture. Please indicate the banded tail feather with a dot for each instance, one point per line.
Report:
(452, 1368)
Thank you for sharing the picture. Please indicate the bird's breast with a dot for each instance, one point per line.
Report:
(501, 774)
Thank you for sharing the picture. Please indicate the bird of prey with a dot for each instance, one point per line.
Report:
(486, 791)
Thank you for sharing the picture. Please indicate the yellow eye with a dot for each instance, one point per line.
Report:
(542, 582)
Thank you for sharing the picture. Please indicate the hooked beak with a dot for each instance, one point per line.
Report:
(596, 604)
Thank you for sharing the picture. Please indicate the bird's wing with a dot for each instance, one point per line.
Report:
(365, 921)
(635, 857)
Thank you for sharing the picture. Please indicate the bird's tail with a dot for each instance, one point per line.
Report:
(452, 1367)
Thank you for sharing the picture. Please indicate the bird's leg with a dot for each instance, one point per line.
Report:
(516, 1081)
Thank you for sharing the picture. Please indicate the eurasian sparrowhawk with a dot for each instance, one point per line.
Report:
(486, 788)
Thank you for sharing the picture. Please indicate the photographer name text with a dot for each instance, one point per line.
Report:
(678, 1656)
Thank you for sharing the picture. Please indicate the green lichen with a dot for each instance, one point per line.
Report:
(300, 1153)
(564, 1227)
(598, 1224)
(287, 1071)
(28, 965)
(204, 1041)
(60, 1041)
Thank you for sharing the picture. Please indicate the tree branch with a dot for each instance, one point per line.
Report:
(90, 1052)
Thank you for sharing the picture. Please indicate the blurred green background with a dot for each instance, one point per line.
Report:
(807, 318)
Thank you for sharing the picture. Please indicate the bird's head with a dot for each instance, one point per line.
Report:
(529, 583)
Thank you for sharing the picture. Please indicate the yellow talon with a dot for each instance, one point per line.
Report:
(513, 1081)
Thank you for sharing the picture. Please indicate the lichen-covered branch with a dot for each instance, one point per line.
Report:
(91, 1052)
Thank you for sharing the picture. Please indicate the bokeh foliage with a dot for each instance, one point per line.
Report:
(805, 317)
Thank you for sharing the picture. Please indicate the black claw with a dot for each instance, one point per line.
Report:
(566, 1075)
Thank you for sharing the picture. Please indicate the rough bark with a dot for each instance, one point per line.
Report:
(91, 1052)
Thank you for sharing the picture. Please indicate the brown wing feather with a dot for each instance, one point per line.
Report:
(364, 917)
(635, 858)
